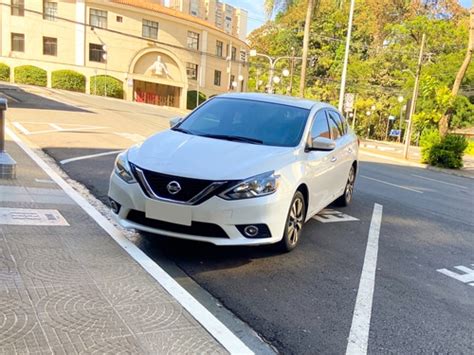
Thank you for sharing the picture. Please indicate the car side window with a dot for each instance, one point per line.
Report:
(320, 126)
(333, 128)
(339, 121)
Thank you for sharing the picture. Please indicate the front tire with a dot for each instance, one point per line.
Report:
(346, 198)
(294, 223)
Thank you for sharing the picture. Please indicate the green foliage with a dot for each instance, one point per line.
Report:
(384, 51)
(4, 72)
(192, 99)
(428, 139)
(463, 113)
(31, 75)
(106, 85)
(470, 148)
(449, 152)
(68, 80)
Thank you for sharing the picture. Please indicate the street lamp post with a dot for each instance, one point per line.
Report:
(273, 61)
(400, 100)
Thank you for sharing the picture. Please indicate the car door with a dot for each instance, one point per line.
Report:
(341, 157)
(320, 170)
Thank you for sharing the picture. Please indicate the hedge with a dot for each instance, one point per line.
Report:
(101, 83)
(29, 74)
(68, 80)
(449, 152)
(191, 99)
(4, 72)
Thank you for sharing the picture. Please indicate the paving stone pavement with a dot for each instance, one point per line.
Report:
(73, 290)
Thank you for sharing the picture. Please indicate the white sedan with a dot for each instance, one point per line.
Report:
(241, 169)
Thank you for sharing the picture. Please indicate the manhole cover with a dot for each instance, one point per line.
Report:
(31, 217)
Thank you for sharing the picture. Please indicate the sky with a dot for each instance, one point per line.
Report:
(257, 14)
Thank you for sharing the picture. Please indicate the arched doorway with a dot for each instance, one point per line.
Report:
(159, 78)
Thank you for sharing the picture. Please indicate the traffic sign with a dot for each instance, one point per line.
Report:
(349, 99)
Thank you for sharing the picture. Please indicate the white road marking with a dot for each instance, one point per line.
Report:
(215, 327)
(31, 217)
(441, 182)
(65, 161)
(330, 216)
(467, 275)
(44, 181)
(56, 128)
(21, 128)
(137, 138)
(359, 334)
(390, 184)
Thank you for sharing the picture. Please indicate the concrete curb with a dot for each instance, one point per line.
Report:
(467, 175)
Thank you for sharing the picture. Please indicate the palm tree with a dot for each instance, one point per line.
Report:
(282, 5)
(443, 124)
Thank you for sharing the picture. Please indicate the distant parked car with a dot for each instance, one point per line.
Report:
(241, 169)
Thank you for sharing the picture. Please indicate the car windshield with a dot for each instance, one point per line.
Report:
(248, 121)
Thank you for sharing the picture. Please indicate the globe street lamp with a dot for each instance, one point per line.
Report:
(272, 61)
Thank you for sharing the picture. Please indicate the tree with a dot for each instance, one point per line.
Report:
(444, 122)
(283, 5)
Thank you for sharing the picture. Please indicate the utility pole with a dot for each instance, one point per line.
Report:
(414, 97)
(292, 69)
(346, 57)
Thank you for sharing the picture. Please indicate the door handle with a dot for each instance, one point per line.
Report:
(333, 159)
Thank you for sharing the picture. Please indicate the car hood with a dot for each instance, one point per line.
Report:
(180, 154)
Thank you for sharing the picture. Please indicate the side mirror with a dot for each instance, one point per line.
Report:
(321, 143)
(174, 121)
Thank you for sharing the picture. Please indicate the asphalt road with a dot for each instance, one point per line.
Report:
(302, 302)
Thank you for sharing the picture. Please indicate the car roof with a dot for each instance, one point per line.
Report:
(278, 99)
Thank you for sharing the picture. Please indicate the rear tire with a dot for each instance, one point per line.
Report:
(346, 198)
(294, 223)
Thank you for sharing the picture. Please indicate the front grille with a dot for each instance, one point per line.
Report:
(193, 191)
(197, 228)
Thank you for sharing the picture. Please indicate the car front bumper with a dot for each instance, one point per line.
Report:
(268, 210)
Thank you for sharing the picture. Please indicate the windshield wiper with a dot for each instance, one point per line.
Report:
(233, 138)
(182, 130)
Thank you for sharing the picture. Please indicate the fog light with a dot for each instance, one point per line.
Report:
(251, 231)
(115, 206)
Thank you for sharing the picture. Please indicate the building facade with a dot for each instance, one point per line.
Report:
(159, 54)
(230, 19)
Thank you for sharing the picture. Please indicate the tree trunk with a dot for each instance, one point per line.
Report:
(307, 28)
(444, 121)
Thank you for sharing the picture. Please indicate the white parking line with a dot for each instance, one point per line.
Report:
(21, 128)
(219, 331)
(441, 182)
(390, 184)
(359, 334)
(65, 161)
(56, 128)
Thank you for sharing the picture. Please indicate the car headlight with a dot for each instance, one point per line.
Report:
(122, 168)
(256, 186)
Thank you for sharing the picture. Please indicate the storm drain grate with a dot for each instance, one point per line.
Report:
(31, 217)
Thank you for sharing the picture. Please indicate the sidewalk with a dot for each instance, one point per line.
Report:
(71, 288)
(394, 151)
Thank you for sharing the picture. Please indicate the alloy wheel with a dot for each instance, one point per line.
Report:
(350, 185)
(295, 221)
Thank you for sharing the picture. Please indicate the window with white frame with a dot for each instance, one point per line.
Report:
(98, 18)
(193, 40)
(50, 10)
(192, 71)
(150, 29)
